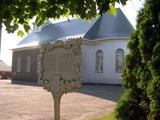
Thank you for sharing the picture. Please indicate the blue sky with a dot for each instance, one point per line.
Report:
(9, 41)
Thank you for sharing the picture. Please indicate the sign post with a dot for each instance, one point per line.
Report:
(59, 69)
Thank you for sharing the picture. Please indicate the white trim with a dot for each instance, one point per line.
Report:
(107, 38)
(25, 48)
(98, 41)
(85, 41)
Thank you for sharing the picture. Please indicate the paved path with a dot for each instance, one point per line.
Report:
(26, 102)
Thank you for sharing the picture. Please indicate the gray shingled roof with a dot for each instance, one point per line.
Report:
(108, 26)
(52, 32)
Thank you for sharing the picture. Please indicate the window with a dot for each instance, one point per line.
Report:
(18, 64)
(28, 64)
(99, 61)
(119, 60)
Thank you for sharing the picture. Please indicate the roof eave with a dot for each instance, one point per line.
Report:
(107, 38)
(25, 48)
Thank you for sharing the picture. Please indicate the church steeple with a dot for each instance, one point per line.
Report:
(109, 26)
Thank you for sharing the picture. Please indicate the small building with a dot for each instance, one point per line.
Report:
(5, 70)
(104, 47)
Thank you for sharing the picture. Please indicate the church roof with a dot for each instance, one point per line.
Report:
(52, 32)
(109, 26)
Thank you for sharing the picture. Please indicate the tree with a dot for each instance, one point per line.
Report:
(16, 12)
(141, 77)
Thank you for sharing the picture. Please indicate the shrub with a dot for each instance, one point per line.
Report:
(141, 77)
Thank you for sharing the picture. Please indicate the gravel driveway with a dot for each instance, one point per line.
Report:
(28, 102)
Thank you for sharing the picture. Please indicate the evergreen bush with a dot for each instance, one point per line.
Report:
(141, 76)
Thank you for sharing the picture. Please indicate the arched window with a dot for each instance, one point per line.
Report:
(99, 61)
(119, 60)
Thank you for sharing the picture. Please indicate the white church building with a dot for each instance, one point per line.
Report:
(104, 47)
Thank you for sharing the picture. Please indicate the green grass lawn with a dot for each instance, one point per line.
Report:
(109, 116)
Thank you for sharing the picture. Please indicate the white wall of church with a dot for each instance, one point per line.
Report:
(109, 74)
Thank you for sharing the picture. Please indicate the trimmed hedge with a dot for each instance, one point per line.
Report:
(141, 76)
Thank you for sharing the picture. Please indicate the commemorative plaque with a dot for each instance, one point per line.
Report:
(59, 69)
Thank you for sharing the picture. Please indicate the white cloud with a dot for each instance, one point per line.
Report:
(131, 9)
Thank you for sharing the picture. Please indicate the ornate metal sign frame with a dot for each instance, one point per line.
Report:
(58, 85)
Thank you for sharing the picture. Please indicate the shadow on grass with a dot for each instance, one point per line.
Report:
(110, 116)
